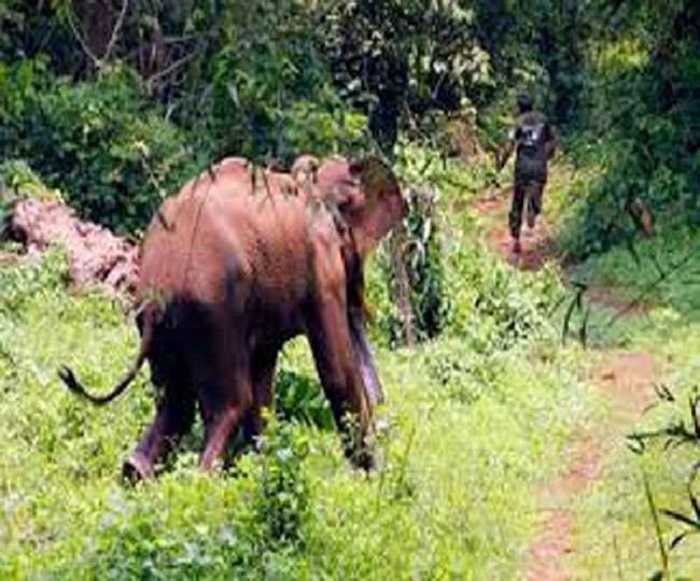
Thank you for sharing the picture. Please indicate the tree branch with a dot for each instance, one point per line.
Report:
(115, 32)
(74, 29)
(169, 69)
(97, 61)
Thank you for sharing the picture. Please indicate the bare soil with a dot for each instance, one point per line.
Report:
(97, 257)
(626, 379)
(537, 244)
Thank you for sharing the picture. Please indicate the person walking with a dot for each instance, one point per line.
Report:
(534, 142)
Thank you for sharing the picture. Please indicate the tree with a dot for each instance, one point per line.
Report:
(400, 61)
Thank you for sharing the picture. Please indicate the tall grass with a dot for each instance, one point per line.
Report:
(474, 420)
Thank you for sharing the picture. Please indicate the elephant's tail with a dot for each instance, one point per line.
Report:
(68, 377)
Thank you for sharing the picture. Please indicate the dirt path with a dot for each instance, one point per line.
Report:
(537, 243)
(626, 379)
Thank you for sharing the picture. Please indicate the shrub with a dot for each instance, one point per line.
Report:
(24, 283)
(495, 306)
(272, 96)
(299, 397)
(281, 500)
(101, 142)
(642, 128)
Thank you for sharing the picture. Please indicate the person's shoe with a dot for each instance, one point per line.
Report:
(517, 249)
(531, 220)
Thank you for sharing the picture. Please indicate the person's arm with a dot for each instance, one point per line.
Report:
(506, 151)
(551, 143)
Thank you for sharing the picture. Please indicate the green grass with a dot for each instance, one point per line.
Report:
(614, 526)
(664, 271)
(475, 421)
(614, 534)
(614, 530)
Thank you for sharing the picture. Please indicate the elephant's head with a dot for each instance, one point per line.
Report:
(367, 195)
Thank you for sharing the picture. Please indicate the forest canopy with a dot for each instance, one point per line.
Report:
(116, 101)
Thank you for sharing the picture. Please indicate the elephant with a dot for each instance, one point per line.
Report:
(235, 265)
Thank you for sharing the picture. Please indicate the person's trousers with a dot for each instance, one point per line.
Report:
(530, 190)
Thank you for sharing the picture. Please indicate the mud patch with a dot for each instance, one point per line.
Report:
(97, 257)
(537, 243)
(611, 298)
(626, 380)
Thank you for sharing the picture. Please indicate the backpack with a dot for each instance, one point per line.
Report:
(531, 138)
(531, 135)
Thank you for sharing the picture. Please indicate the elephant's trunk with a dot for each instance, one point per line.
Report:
(365, 359)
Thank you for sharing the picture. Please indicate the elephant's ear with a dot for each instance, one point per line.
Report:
(376, 177)
(379, 205)
(367, 195)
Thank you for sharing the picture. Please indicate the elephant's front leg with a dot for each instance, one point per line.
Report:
(264, 362)
(331, 344)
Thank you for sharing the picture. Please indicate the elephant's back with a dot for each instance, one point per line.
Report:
(224, 231)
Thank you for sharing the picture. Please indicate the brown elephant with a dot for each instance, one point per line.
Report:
(236, 264)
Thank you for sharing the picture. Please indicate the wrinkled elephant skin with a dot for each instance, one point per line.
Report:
(236, 264)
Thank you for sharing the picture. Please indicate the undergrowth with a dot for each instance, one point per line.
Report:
(616, 534)
(473, 420)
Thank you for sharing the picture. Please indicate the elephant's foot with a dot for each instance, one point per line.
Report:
(363, 460)
(137, 468)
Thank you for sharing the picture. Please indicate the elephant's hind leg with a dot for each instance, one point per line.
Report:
(225, 402)
(263, 371)
(174, 417)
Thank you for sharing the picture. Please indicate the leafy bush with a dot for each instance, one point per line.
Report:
(425, 266)
(299, 397)
(272, 95)
(31, 279)
(412, 266)
(281, 501)
(100, 142)
(18, 180)
(641, 121)
(494, 307)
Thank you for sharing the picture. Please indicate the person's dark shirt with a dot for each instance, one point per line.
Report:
(533, 139)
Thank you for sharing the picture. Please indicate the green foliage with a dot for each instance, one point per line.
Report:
(281, 501)
(666, 271)
(300, 398)
(18, 181)
(12, 20)
(417, 56)
(454, 283)
(33, 278)
(272, 97)
(662, 445)
(423, 257)
(412, 266)
(448, 499)
(508, 309)
(641, 115)
(99, 142)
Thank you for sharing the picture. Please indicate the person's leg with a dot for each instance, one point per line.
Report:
(515, 216)
(534, 203)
